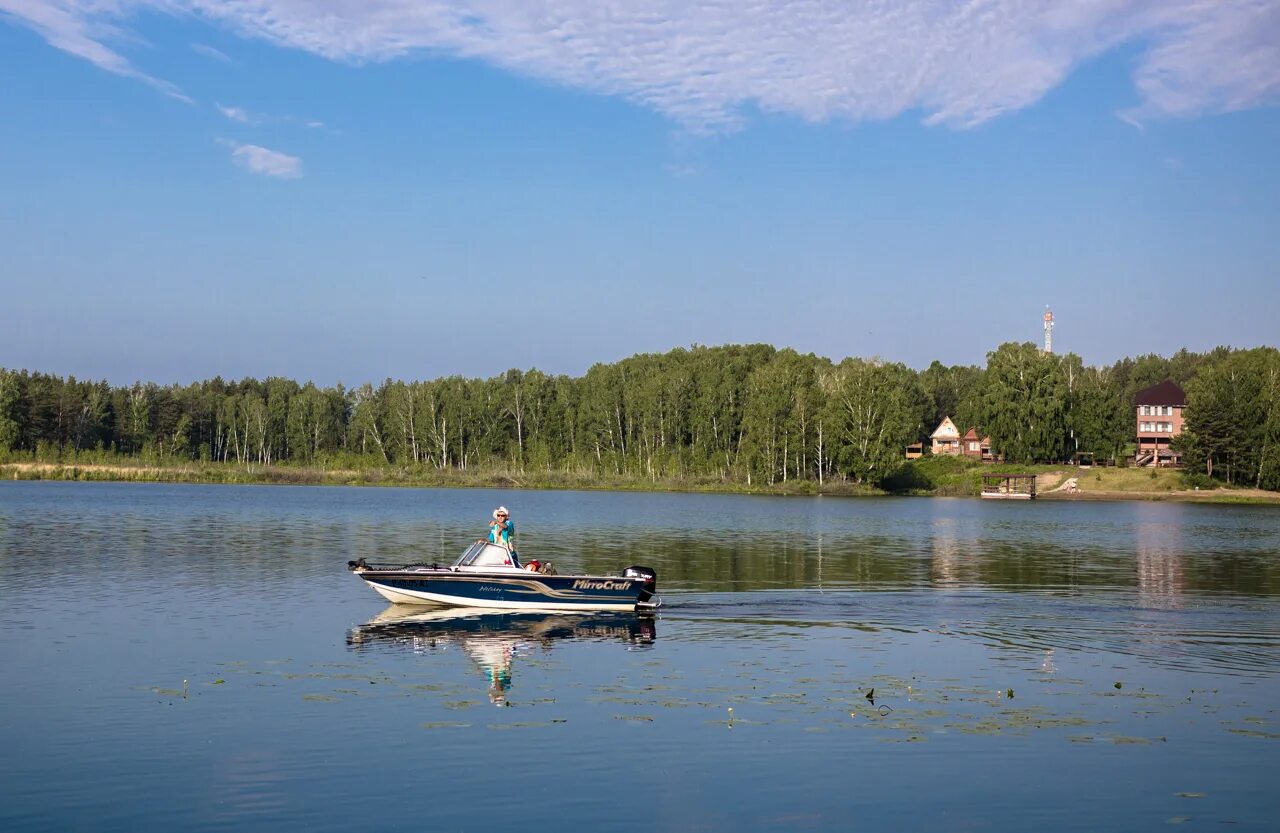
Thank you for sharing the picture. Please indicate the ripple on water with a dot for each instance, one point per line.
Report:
(1241, 638)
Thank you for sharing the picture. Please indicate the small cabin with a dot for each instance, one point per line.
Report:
(976, 446)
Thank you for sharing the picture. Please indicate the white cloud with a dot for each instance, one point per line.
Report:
(236, 114)
(703, 64)
(210, 52)
(264, 161)
(81, 29)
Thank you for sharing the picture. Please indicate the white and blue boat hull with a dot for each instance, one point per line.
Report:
(489, 575)
(527, 591)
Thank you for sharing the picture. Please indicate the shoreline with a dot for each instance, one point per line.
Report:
(290, 476)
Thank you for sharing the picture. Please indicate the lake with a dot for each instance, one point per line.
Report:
(198, 658)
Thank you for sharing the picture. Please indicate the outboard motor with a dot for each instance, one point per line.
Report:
(650, 577)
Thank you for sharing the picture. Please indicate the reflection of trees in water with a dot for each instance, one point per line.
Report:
(943, 550)
(493, 639)
(940, 552)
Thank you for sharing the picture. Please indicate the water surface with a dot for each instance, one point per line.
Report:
(197, 657)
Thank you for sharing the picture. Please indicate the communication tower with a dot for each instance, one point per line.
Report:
(1048, 329)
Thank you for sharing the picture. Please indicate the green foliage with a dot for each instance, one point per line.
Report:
(949, 392)
(1024, 403)
(941, 474)
(874, 413)
(1100, 418)
(1233, 417)
(703, 417)
(10, 395)
(1198, 480)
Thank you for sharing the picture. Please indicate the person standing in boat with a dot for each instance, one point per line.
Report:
(503, 529)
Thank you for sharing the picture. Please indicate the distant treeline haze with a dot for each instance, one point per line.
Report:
(747, 413)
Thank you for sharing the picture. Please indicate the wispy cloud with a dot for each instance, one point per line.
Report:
(235, 113)
(82, 30)
(705, 64)
(264, 161)
(210, 52)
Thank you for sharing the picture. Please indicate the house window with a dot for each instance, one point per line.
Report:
(1146, 410)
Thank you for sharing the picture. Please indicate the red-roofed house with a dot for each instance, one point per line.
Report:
(1159, 420)
(979, 448)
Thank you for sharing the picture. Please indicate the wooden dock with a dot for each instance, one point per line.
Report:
(1009, 486)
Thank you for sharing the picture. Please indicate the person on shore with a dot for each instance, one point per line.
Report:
(503, 529)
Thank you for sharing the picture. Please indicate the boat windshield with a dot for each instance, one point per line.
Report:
(487, 554)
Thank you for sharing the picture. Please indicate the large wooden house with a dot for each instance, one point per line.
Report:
(946, 438)
(1158, 414)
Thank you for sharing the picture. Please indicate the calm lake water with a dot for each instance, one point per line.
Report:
(199, 658)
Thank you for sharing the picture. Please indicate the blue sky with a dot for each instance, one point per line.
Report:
(349, 192)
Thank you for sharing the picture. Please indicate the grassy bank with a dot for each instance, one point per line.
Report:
(940, 476)
(951, 476)
(141, 472)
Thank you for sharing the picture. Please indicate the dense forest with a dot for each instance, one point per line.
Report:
(742, 413)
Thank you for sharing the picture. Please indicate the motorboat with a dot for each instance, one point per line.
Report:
(490, 575)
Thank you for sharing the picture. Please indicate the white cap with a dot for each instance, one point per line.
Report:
(501, 510)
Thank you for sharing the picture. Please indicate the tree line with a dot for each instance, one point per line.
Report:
(748, 413)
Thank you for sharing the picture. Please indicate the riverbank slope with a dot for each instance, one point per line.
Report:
(936, 478)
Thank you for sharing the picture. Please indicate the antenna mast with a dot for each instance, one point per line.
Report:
(1048, 329)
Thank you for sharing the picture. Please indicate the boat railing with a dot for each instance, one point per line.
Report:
(360, 564)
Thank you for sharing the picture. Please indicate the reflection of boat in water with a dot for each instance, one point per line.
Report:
(490, 575)
(493, 638)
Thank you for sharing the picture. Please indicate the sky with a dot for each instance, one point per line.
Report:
(353, 190)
